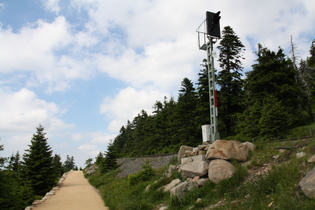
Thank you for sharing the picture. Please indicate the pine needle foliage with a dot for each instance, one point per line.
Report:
(37, 165)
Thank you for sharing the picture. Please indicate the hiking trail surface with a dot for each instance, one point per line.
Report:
(76, 193)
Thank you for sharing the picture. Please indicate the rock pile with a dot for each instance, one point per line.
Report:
(207, 162)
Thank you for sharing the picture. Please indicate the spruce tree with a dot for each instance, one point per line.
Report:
(109, 162)
(229, 78)
(188, 130)
(57, 164)
(69, 163)
(98, 160)
(37, 165)
(271, 83)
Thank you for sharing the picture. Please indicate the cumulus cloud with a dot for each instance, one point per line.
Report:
(35, 48)
(162, 65)
(87, 147)
(269, 23)
(22, 112)
(52, 5)
(126, 105)
(103, 138)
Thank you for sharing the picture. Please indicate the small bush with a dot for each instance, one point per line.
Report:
(144, 175)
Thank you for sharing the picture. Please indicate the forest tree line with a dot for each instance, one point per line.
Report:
(276, 95)
(27, 178)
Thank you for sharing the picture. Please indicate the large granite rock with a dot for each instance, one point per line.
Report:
(228, 150)
(91, 169)
(250, 145)
(220, 170)
(180, 190)
(311, 159)
(171, 185)
(194, 166)
(307, 184)
(182, 150)
(196, 158)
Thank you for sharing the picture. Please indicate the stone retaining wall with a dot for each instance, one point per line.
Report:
(133, 165)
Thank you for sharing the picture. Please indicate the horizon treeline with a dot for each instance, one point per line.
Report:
(276, 95)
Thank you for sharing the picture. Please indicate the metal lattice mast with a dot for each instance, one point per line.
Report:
(208, 33)
(213, 99)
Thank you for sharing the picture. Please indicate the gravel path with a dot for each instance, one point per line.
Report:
(75, 194)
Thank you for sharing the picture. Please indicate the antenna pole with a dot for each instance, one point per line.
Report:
(214, 131)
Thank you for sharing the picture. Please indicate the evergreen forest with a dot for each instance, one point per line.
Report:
(26, 178)
(265, 102)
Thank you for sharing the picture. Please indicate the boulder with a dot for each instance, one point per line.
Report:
(250, 146)
(311, 159)
(182, 151)
(202, 181)
(300, 154)
(201, 152)
(60, 182)
(307, 184)
(228, 150)
(220, 170)
(203, 147)
(186, 160)
(147, 188)
(91, 170)
(197, 167)
(171, 185)
(36, 202)
(195, 151)
(180, 190)
(171, 170)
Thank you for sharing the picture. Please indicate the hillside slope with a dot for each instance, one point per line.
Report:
(268, 180)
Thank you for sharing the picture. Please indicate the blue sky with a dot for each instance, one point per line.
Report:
(82, 68)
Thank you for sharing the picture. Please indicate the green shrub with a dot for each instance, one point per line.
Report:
(144, 175)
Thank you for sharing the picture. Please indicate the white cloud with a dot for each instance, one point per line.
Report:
(88, 150)
(162, 65)
(127, 104)
(52, 5)
(76, 136)
(21, 113)
(23, 110)
(87, 147)
(270, 23)
(35, 48)
(103, 139)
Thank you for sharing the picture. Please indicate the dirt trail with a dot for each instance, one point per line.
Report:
(75, 194)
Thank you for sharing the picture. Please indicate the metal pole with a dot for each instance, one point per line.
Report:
(214, 133)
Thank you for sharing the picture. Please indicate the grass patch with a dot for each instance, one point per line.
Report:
(302, 131)
(277, 189)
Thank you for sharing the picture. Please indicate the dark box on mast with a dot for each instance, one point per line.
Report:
(213, 24)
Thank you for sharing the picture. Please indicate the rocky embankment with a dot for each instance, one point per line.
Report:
(207, 162)
(213, 162)
(48, 194)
